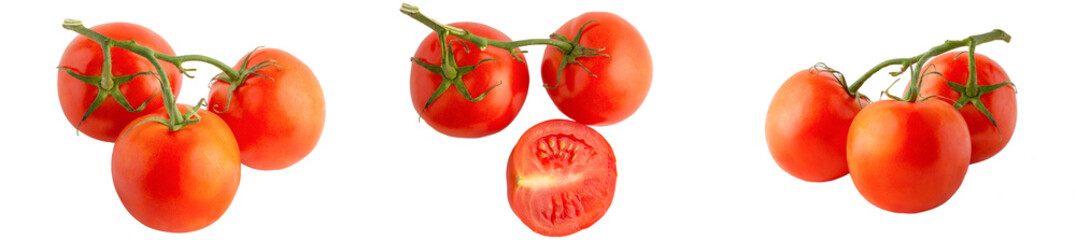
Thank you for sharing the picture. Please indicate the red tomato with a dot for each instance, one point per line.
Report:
(561, 177)
(985, 139)
(452, 114)
(177, 181)
(84, 57)
(807, 125)
(908, 157)
(620, 82)
(277, 121)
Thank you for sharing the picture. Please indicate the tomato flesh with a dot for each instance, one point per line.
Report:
(561, 177)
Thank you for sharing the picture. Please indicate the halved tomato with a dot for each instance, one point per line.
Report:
(561, 177)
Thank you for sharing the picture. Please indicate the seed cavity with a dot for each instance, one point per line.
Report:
(556, 152)
(562, 207)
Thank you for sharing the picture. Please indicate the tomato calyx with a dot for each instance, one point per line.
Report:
(244, 73)
(451, 74)
(576, 51)
(107, 87)
(972, 93)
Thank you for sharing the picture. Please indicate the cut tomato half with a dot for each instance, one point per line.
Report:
(561, 177)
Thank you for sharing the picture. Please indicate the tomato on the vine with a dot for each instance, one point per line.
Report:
(807, 125)
(84, 56)
(561, 177)
(176, 181)
(986, 140)
(908, 157)
(599, 89)
(277, 113)
(451, 113)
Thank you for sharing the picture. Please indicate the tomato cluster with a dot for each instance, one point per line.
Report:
(904, 155)
(176, 168)
(597, 70)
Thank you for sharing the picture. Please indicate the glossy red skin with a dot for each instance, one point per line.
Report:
(986, 141)
(176, 181)
(450, 113)
(622, 82)
(807, 126)
(84, 56)
(277, 121)
(908, 157)
(592, 165)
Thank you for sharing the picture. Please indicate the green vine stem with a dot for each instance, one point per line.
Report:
(481, 42)
(452, 74)
(108, 84)
(905, 63)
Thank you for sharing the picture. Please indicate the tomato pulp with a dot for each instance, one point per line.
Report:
(561, 177)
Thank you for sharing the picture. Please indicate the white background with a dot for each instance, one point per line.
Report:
(692, 161)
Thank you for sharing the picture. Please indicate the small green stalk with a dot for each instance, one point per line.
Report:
(481, 42)
(108, 84)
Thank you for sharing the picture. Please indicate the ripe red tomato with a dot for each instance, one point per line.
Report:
(619, 83)
(452, 114)
(177, 181)
(986, 141)
(561, 177)
(908, 157)
(277, 121)
(84, 57)
(807, 125)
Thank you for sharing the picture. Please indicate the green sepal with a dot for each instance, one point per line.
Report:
(982, 108)
(956, 86)
(991, 88)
